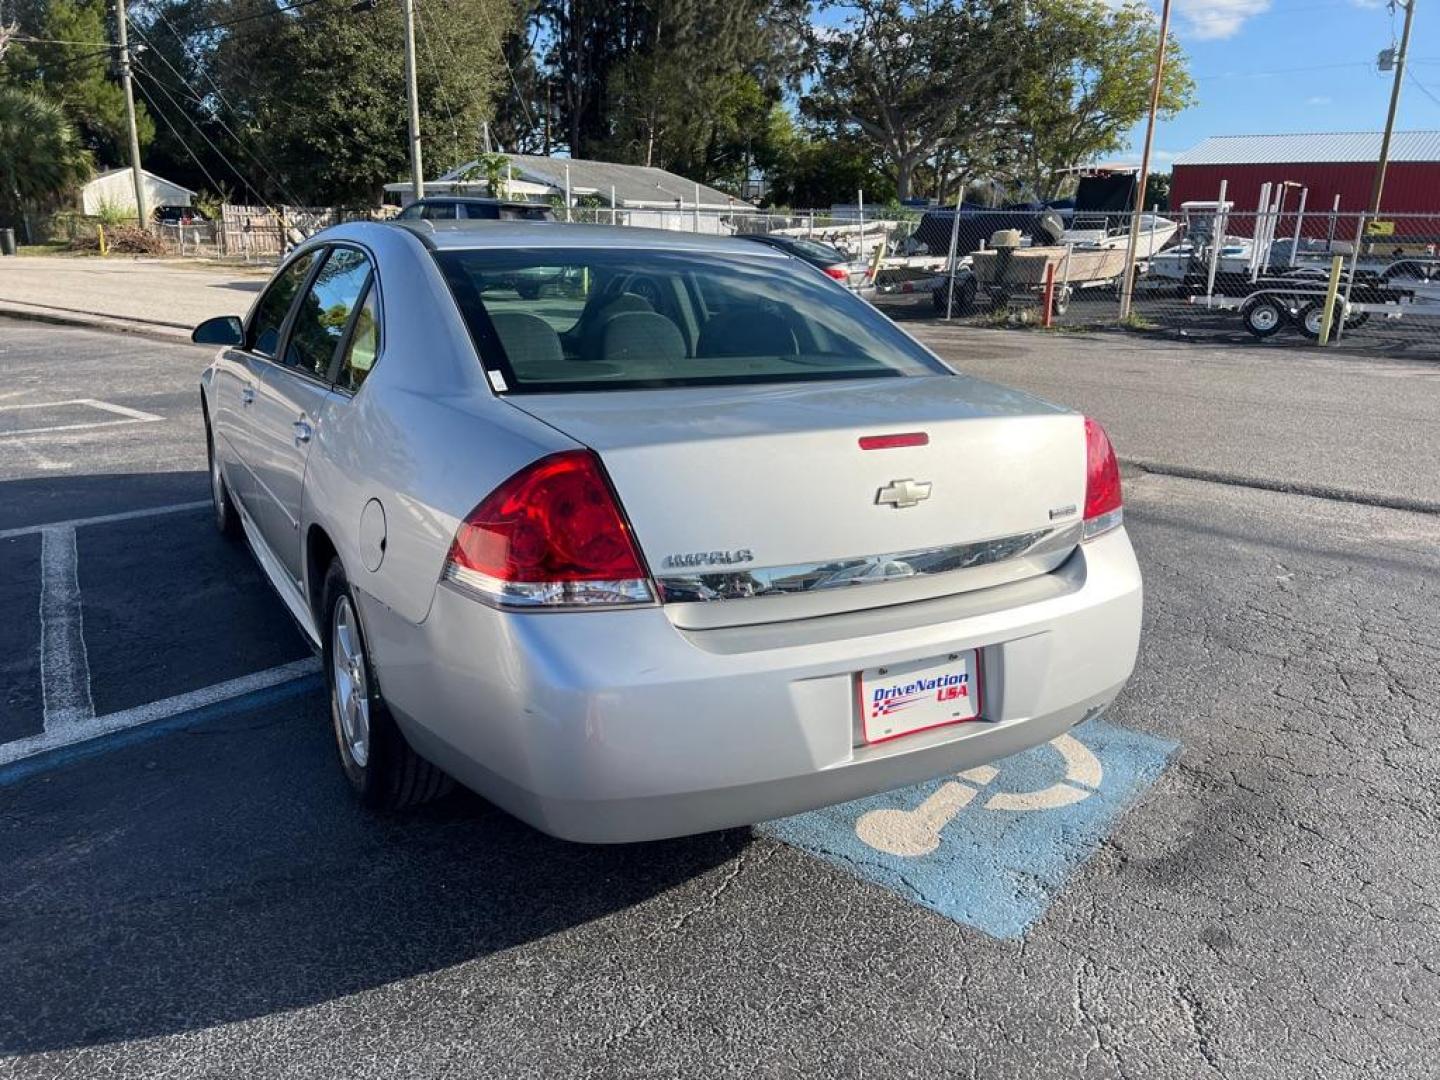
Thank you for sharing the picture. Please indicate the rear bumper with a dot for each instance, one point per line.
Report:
(616, 726)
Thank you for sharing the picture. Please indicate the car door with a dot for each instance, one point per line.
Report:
(294, 393)
(237, 383)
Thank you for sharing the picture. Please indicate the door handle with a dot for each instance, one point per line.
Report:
(247, 396)
(302, 431)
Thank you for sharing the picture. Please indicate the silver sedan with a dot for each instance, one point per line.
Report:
(686, 537)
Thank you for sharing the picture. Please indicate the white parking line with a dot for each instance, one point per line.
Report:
(127, 416)
(104, 519)
(64, 664)
(71, 734)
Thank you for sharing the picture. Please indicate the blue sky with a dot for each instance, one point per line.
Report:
(1273, 66)
(1281, 66)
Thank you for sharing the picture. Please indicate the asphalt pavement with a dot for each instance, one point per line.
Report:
(1360, 428)
(201, 897)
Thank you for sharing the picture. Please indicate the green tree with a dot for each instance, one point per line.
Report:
(915, 79)
(813, 169)
(307, 105)
(681, 84)
(1088, 70)
(40, 154)
(71, 65)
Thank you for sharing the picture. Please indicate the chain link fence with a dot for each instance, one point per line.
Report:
(1202, 274)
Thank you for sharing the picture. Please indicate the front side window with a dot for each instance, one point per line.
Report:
(479, 211)
(322, 316)
(364, 345)
(444, 211)
(270, 312)
(560, 319)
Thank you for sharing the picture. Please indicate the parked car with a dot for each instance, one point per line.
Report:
(693, 541)
(830, 261)
(177, 215)
(468, 208)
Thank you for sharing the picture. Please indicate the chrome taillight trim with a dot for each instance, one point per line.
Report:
(548, 595)
(1103, 523)
(761, 581)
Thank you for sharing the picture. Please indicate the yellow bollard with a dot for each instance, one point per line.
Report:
(100, 232)
(1331, 291)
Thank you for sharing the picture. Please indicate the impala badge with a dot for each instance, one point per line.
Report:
(903, 493)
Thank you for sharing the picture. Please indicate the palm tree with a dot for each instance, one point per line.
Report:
(41, 157)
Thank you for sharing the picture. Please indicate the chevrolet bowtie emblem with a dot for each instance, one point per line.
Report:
(903, 493)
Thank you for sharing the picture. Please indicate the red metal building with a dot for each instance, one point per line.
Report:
(1328, 164)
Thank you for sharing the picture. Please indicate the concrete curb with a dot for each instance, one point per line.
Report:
(1287, 487)
(171, 333)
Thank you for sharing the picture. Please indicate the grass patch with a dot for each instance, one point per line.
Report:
(54, 247)
(1136, 321)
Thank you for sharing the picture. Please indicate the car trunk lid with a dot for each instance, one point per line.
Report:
(761, 496)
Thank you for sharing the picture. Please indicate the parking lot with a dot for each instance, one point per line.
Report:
(1229, 875)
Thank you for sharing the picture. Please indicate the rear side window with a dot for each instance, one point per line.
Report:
(479, 211)
(364, 345)
(557, 319)
(323, 315)
(265, 324)
(525, 213)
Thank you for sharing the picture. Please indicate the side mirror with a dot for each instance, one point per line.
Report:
(221, 330)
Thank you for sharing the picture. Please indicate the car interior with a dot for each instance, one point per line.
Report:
(646, 321)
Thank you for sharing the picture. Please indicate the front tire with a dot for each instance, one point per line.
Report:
(382, 768)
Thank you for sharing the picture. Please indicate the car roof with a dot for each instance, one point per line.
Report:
(478, 235)
(476, 200)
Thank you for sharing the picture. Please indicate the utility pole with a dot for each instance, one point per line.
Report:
(1127, 282)
(1400, 58)
(417, 174)
(142, 210)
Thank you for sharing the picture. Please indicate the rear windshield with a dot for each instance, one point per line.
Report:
(812, 250)
(559, 319)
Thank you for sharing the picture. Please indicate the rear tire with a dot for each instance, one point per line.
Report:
(383, 770)
(1308, 322)
(227, 520)
(1264, 317)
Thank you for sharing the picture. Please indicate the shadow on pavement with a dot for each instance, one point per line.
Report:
(42, 499)
(224, 872)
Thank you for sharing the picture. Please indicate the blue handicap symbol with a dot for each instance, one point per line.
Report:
(993, 846)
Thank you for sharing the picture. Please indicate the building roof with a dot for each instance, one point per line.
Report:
(147, 172)
(635, 185)
(1323, 148)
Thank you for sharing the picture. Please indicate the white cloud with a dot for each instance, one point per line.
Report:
(1213, 20)
(1318, 100)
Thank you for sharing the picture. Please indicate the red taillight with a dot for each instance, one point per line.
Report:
(551, 535)
(1103, 505)
(839, 273)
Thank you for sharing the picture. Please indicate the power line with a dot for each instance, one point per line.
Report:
(61, 41)
(214, 184)
(252, 17)
(244, 183)
(1423, 88)
(59, 65)
(195, 96)
(439, 82)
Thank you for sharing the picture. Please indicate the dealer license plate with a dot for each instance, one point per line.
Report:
(901, 699)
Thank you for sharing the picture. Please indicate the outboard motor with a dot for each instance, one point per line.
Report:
(1049, 229)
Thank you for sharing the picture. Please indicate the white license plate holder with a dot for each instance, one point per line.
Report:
(902, 699)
